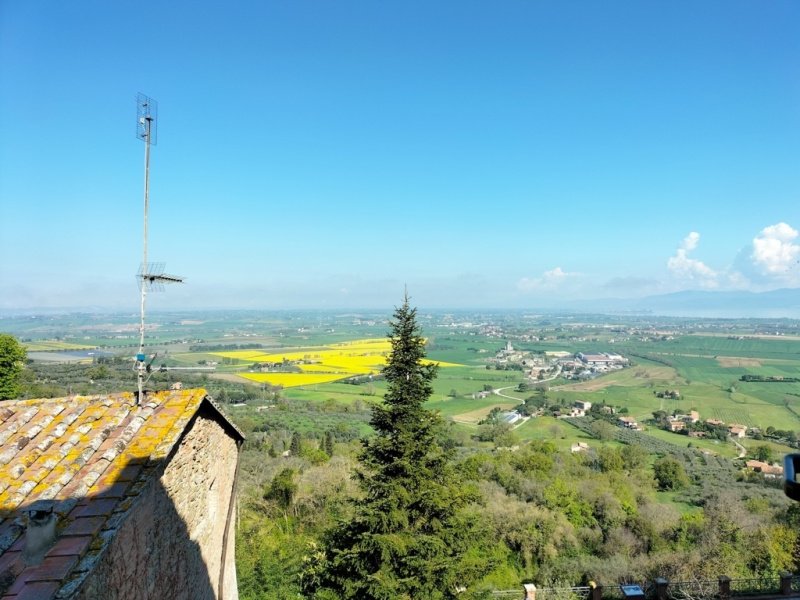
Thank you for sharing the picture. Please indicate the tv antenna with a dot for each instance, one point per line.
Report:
(151, 276)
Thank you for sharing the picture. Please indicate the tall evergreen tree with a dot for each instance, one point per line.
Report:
(294, 448)
(405, 538)
(328, 443)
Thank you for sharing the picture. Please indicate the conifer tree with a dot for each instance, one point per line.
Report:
(294, 448)
(328, 443)
(406, 537)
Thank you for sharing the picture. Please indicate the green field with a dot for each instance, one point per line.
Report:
(562, 434)
(707, 383)
(724, 449)
(703, 360)
(705, 369)
(751, 347)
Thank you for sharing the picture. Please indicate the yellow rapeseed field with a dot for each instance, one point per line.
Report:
(322, 369)
(323, 364)
(371, 345)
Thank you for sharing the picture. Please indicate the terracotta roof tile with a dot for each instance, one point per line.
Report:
(84, 526)
(39, 590)
(52, 568)
(115, 490)
(12, 561)
(71, 546)
(87, 458)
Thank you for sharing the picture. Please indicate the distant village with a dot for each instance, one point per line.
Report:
(582, 366)
(549, 365)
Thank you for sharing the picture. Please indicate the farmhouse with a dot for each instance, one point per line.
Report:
(579, 408)
(101, 497)
(574, 411)
(676, 425)
(692, 417)
(765, 468)
(628, 422)
(737, 431)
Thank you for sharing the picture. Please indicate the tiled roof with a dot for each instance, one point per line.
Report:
(764, 467)
(87, 458)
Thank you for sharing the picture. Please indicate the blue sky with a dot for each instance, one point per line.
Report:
(325, 154)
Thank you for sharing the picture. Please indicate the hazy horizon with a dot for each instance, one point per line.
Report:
(312, 155)
(703, 305)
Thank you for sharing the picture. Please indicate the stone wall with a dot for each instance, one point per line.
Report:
(171, 543)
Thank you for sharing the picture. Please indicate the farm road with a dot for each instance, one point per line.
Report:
(499, 392)
(742, 450)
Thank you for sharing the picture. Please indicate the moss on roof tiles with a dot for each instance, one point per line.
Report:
(74, 452)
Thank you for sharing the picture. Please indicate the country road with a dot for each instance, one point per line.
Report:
(742, 449)
(499, 392)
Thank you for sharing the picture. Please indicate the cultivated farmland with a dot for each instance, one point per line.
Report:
(54, 346)
(311, 366)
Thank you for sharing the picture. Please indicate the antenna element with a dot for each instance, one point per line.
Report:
(151, 276)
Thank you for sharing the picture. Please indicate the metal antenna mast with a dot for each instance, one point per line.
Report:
(151, 275)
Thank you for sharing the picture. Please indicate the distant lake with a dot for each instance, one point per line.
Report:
(69, 355)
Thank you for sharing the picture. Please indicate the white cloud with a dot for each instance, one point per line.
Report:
(689, 243)
(775, 255)
(549, 280)
(683, 267)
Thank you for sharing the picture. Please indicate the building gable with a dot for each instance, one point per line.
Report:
(73, 470)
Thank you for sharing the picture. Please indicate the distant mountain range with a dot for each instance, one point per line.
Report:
(775, 304)
(732, 304)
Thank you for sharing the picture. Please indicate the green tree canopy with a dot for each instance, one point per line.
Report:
(282, 489)
(763, 453)
(12, 360)
(603, 430)
(406, 537)
(609, 459)
(634, 456)
(670, 474)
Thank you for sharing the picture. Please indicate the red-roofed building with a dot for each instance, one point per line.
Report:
(762, 467)
(676, 425)
(737, 431)
(103, 498)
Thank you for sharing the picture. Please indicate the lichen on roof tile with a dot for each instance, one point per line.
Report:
(89, 455)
